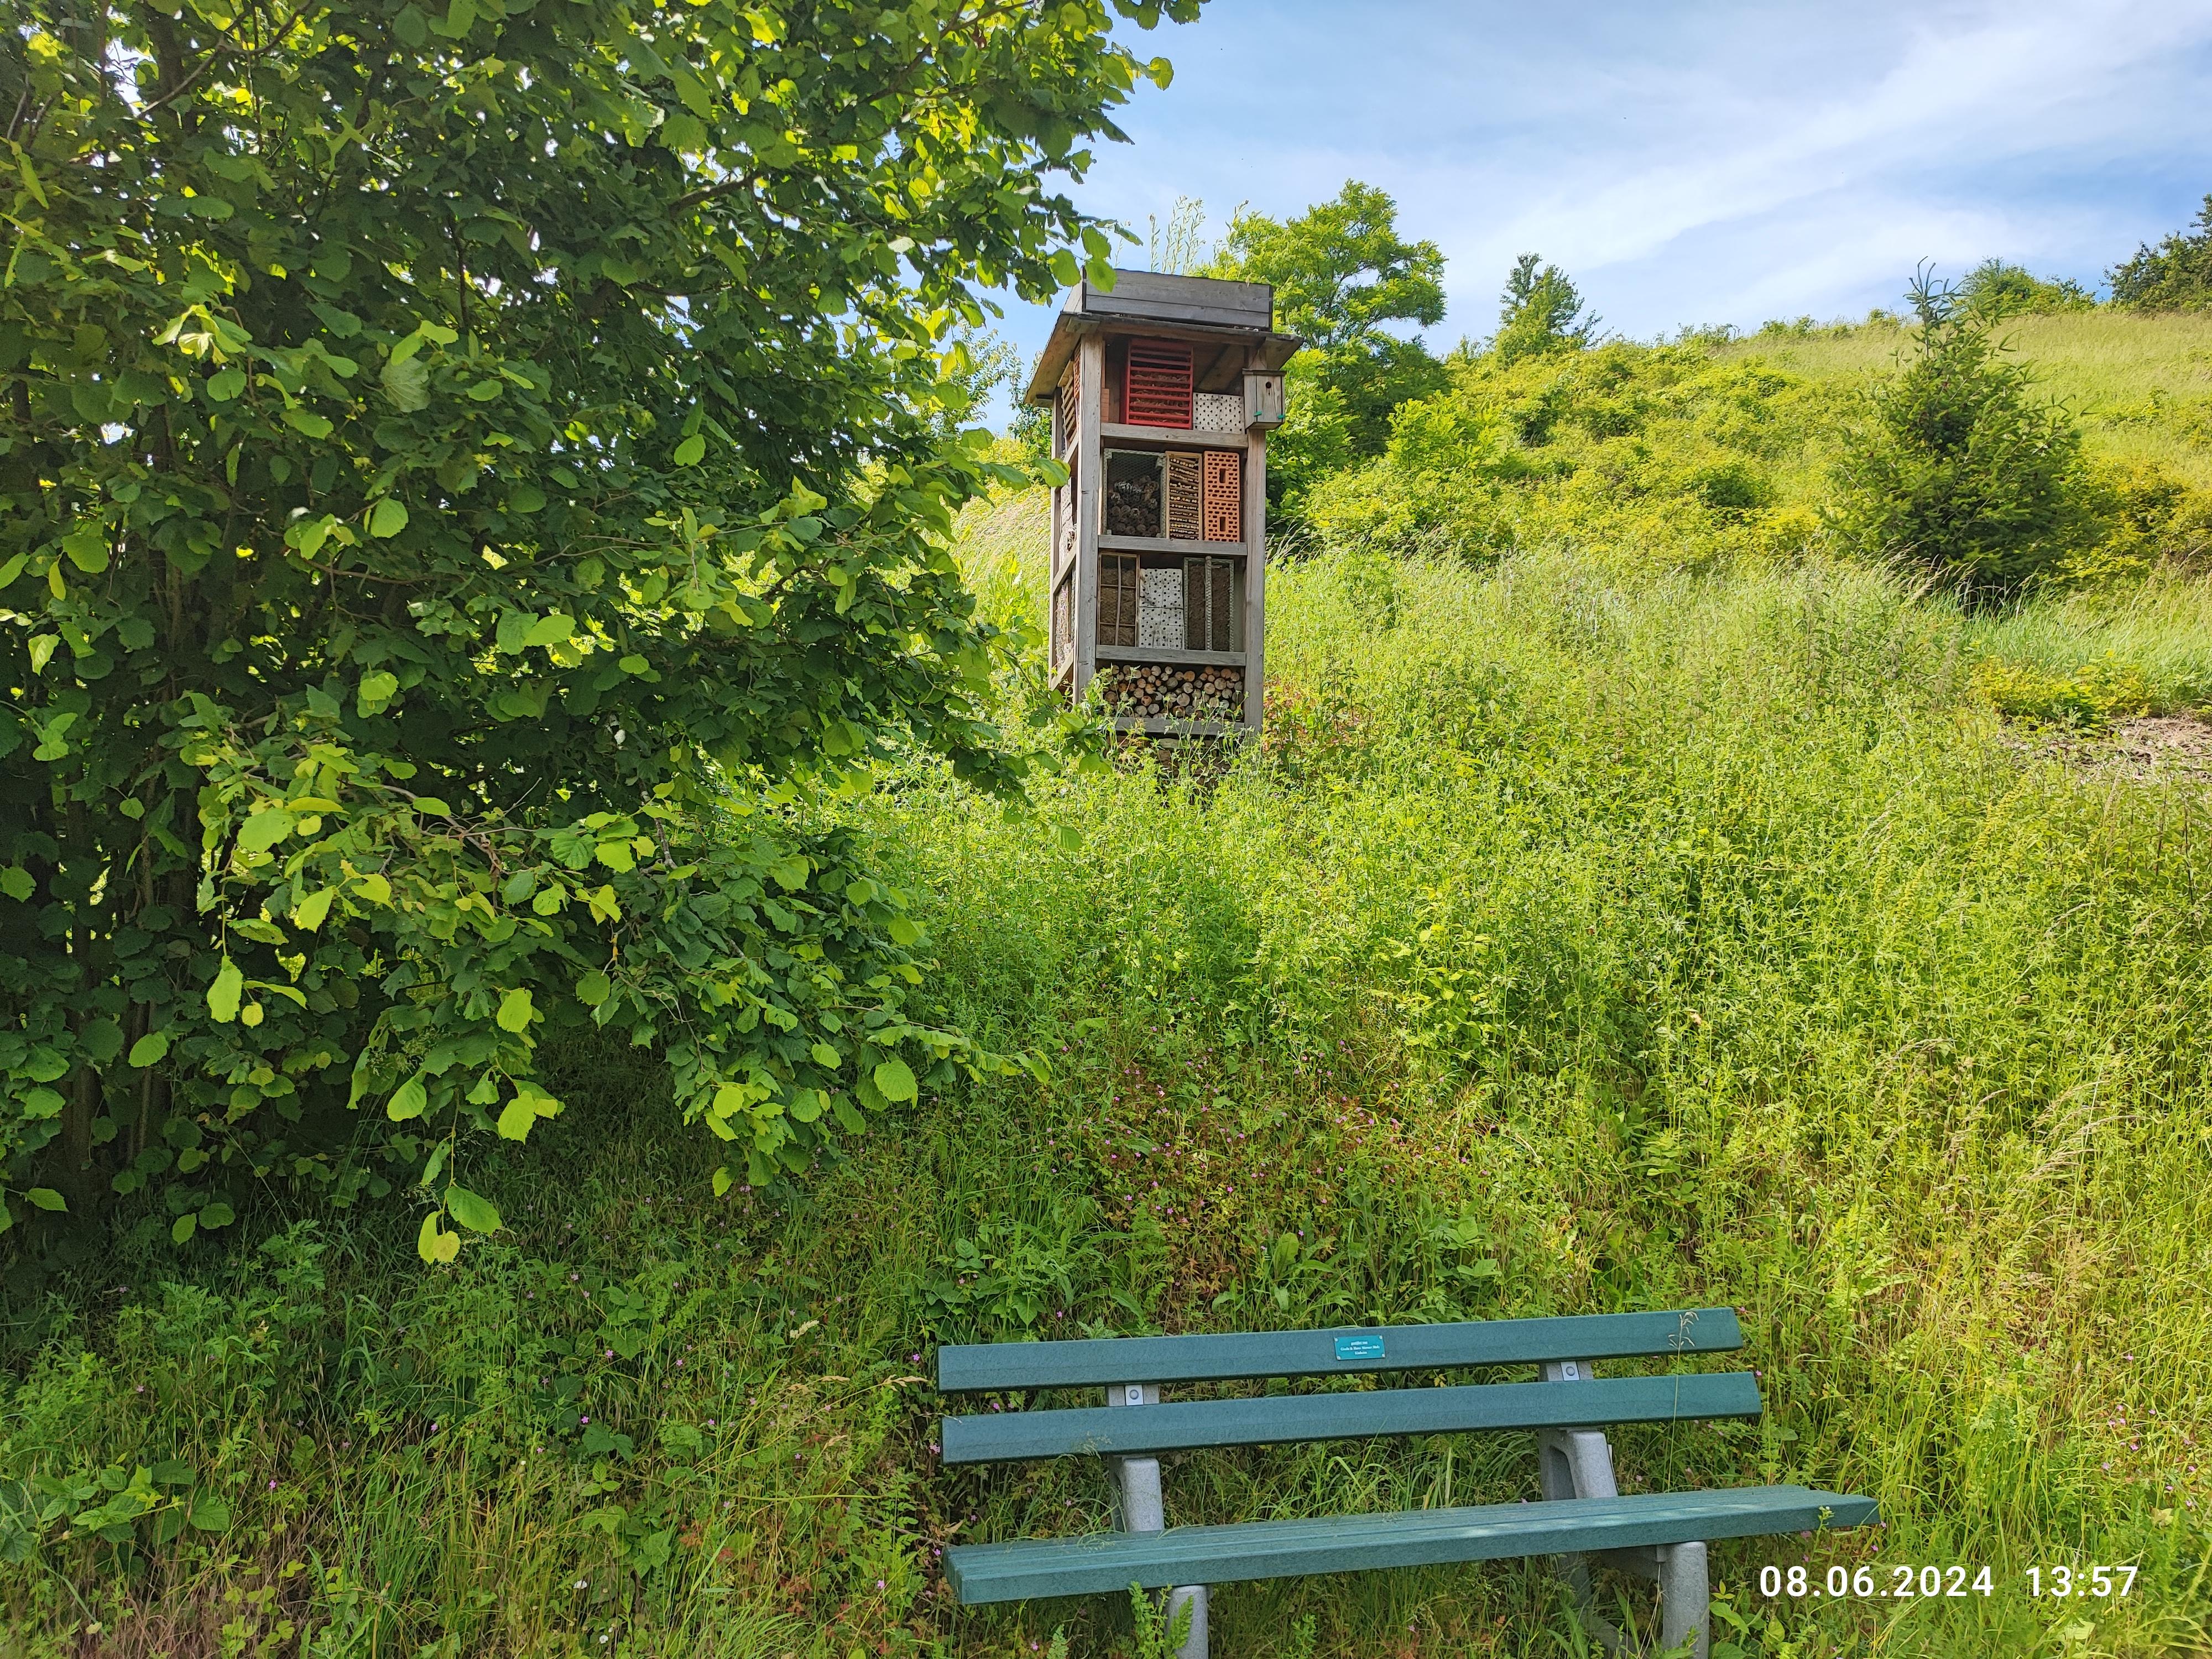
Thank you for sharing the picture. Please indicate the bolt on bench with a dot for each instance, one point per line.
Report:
(1661, 1536)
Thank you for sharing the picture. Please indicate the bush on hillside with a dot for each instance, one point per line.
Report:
(1960, 471)
(2090, 699)
(1640, 451)
(1540, 311)
(2008, 290)
(2176, 275)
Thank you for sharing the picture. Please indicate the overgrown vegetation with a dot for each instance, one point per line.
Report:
(1960, 470)
(1348, 285)
(2176, 275)
(1576, 942)
(1636, 900)
(474, 486)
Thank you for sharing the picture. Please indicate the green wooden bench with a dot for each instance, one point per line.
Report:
(1658, 1535)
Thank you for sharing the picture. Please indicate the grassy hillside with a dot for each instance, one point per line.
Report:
(1593, 931)
(2142, 384)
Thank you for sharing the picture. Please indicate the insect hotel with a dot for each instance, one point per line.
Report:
(1163, 393)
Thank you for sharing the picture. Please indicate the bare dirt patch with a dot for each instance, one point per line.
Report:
(2150, 749)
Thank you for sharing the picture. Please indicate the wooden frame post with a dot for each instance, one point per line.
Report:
(1256, 573)
(1090, 450)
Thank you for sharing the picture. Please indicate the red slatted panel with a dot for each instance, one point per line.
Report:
(1224, 495)
(1158, 384)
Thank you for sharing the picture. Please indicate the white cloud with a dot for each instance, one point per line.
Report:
(1693, 163)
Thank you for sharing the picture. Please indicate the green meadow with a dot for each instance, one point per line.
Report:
(1631, 905)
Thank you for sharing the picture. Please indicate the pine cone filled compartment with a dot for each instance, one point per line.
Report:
(1150, 690)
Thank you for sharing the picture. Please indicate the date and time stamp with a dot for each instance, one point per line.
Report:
(1871, 1581)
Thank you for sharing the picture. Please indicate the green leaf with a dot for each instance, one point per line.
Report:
(309, 912)
(594, 988)
(217, 1214)
(225, 385)
(102, 1039)
(86, 547)
(47, 1199)
(515, 1120)
(208, 1512)
(182, 1229)
(264, 830)
(406, 382)
(387, 518)
(689, 453)
(16, 882)
(895, 1080)
(478, 1215)
(514, 1010)
(150, 1049)
(556, 629)
(410, 1100)
(222, 996)
(376, 691)
(826, 1057)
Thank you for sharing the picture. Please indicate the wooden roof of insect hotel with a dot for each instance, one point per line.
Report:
(1232, 318)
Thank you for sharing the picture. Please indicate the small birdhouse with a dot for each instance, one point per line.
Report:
(1163, 392)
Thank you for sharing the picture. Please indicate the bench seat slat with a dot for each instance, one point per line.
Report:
(1183, 1426)
(1091, 1361)
(1104, 1562)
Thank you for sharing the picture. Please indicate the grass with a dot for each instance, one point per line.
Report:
(2142, 385)
(1580, 938)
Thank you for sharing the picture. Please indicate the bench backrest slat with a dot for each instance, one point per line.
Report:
(1096, 1360)
(1185, 1425)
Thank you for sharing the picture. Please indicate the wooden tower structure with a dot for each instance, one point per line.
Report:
(1163, 392)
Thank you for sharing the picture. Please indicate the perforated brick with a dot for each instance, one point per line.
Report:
(1224, 495)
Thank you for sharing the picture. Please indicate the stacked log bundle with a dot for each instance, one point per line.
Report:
(1171, 691)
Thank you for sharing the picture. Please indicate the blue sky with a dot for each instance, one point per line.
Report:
(1686, 163)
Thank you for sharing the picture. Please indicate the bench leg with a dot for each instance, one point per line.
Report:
(1142, 1510)
(1685, 1599)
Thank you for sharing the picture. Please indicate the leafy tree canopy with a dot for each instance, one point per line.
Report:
(2175, 275)
(1541, 311)
(1346, 283)
(476, 478)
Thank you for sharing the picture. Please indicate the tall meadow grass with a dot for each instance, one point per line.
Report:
(1572, 943)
